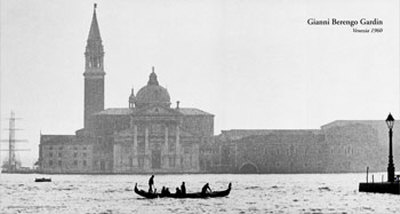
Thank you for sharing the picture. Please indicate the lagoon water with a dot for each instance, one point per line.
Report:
(271, 193)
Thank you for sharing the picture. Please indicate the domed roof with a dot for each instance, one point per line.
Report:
(152, 94)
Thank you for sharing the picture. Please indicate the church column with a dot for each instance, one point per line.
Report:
(146, 148)
(135, 147)
(166, 153)
(177, 149)
(134, 156)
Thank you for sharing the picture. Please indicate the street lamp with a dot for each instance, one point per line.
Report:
(390, 169)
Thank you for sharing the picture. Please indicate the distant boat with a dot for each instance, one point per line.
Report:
(42, 179)
(214, 194)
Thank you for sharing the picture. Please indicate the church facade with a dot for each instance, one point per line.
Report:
(148, 136)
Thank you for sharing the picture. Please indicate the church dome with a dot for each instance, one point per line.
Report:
(153, 94)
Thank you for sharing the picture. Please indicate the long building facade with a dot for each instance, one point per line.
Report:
(151, 136)
(338, 147)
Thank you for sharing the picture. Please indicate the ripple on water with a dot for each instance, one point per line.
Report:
(253, 187)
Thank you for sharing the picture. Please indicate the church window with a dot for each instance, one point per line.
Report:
(84, 163)
(75, 163)
(59, 163)
(50, 163)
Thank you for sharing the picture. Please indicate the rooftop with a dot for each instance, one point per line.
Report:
(126, 111)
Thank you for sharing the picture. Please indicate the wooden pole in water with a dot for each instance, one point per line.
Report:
(367, 173)
(372, 178)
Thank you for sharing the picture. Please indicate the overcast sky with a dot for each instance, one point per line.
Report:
(253, 64)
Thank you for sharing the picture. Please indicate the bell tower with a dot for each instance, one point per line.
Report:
(94, 72)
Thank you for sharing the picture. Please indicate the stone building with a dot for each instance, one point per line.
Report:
(151, 136)
(352, 145)
(340, 146)
(64, 154)
(270, 151)
(148, 136)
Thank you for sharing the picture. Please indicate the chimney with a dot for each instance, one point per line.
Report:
(177, 104)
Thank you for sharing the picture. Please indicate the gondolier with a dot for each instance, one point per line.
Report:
(183, 188)
(151, 183)
(205, 188)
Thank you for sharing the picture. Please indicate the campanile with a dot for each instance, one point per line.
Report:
(94, 72)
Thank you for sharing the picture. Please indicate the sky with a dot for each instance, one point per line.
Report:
(253, 64)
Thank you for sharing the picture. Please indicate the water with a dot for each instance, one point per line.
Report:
(105, 194)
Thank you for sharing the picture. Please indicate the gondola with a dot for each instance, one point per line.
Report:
(42, 179)
(214, 194)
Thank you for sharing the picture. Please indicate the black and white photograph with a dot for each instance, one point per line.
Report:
(199, 106)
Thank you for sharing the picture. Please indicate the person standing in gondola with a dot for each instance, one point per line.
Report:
(183, 188)
(151, 183)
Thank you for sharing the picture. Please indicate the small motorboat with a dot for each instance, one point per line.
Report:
(42, 179)
(214, 194)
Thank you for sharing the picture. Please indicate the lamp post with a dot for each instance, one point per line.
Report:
(390, 169)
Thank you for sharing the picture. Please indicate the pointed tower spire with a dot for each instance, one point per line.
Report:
(94, 48)
(94, 72)
(94, 32)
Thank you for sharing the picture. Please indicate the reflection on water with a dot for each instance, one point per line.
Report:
(292, 193)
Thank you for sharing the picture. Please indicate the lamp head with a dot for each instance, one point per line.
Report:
(390, 121)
